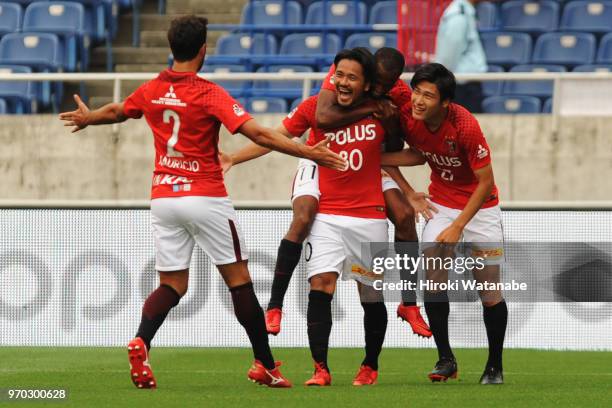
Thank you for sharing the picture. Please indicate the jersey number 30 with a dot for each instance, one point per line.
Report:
(171, 151)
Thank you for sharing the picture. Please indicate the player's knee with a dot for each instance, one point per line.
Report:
(325, 282)
(404, 223)
(300, 226)
(490, 299)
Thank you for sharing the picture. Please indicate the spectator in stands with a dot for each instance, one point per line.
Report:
(458, 47)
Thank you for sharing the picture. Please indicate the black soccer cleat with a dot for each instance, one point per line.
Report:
(445, 368)
(492, 375)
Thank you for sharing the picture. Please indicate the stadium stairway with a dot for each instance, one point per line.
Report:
(152, 55)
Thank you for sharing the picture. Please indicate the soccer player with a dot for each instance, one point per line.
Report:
(189, 200)
(449, 139)
(305, 193)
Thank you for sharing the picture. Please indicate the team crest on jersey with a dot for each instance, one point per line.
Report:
(482, 152)
(452, 145)
(238, 111)
(169, 99)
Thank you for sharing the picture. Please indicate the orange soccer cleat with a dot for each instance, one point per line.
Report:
(321, 376)
(270, 378)
(273, 320)
(140, 369)
(366, 376)
(412, 315)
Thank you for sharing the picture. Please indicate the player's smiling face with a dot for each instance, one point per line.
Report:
(426, 103)
(350, 82)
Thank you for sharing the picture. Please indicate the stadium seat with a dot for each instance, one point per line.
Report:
(488, 18)
(511, 104)
(532, 88)
(281, 89)
(242, 44)
(266, 105)
(564, 48)
(10, 18)
(3, 108)
(593, 68)
(21, 96)
(272, 12)
(507, 48)
(67, 20)
(234, 88)
(547, 108)
(372, 41)
(530, 16)
(336, 13)
(591, 16)
(42, 51)
(492, 88)
(384, 12)
(604, 54)
(315, 49)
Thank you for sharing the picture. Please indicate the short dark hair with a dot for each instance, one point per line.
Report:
(439, 75)
(391, 60)
(186, 36)
(363, 56)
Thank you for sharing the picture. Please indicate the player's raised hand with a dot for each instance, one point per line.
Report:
(225, 160)
(421, 205)
(77, 118)
(321, 154)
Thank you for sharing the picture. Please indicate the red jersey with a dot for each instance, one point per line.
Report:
(400, 94)
(356, 191)
(453, 152)
(185, 113)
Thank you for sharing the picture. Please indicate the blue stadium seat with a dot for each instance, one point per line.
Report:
(488, 18)
(604, 54)
(593, 68)
(492, 88)
(243, 44)
(336, 12)
(281, 89)
(234, 88)
(591, 16)
(10, 18)
(507, 48)
(547, 108)
(272, 12)
(564, 48)
(532, 88)
(3, 108)
(511, 104)
(21, 96)
(530, 16)
(372, 41)
(67, 20)
(266, 105)
(384, 12)
(315, 49)
(42, 51)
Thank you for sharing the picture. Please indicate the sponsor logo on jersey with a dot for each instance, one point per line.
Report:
(482, 152)
(353, 134)
(238, 111)
(166, 179)
(443, 161)
(169, 99)
(181, 187)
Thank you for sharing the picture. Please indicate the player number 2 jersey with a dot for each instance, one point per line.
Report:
(185, 113)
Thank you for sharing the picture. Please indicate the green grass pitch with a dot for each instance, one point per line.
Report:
(203, 377)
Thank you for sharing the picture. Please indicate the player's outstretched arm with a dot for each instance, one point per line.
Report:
(330, 115)
(406, 157)
(418, 201)
(83, 117)
(274, 140)
(252, 150)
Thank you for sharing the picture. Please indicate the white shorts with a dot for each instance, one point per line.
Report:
(484, 231)
(335, 245)
(306, 181)
(179, 222)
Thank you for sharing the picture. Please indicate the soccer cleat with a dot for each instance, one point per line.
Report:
(270, 378)
(273, 320)
(140, 369)
(412, 315)
(366, 376)
(492, 375)
(444, 369)
(321, 377)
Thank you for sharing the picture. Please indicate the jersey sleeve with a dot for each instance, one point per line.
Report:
(301, 118)
(328, 83)
(400, 94)
(133, 106)
(225, 108)
(474, 143)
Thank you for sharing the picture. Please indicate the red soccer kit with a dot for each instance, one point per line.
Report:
(185, 113)
(453, 152)
(357, 191)
(400, 94)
